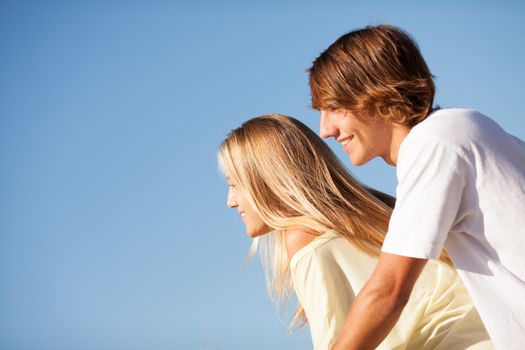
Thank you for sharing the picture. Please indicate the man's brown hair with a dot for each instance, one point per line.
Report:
(374, 71)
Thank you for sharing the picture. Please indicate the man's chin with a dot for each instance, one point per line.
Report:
(358, 161)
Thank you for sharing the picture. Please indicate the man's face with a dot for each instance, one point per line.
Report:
(362, 140)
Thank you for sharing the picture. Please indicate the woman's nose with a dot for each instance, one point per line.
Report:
(231, 202)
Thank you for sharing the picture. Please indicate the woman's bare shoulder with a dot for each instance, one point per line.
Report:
(297, 238)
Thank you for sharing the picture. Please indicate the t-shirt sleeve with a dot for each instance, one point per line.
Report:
(431, 180)
(325, 294)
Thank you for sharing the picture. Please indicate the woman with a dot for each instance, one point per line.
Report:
(320, 233)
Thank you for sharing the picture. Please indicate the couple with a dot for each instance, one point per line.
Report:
(359, 261)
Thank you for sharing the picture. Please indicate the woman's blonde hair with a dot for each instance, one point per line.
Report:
(376, 71)
(291, 178)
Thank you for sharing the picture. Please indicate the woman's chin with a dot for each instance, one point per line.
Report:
(253, 234)
(257, 233)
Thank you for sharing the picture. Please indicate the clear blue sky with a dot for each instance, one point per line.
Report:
(114, 233)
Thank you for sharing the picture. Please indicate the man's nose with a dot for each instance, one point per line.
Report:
(326, 128)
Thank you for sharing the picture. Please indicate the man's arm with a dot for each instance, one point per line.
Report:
(378, 306)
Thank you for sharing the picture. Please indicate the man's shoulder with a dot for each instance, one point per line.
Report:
(456, 127)
(443, 139)
(447, 123)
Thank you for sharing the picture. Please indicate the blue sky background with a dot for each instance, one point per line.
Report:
(114, 231)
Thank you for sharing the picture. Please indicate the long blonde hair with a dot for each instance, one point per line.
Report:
(291, 178)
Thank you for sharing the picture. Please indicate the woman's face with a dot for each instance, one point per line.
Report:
(255, 226)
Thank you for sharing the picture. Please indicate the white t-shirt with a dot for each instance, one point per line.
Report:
(461, 185)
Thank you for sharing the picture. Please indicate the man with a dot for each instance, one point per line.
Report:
(461, 183)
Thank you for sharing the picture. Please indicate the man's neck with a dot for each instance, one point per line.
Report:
(399, 132)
